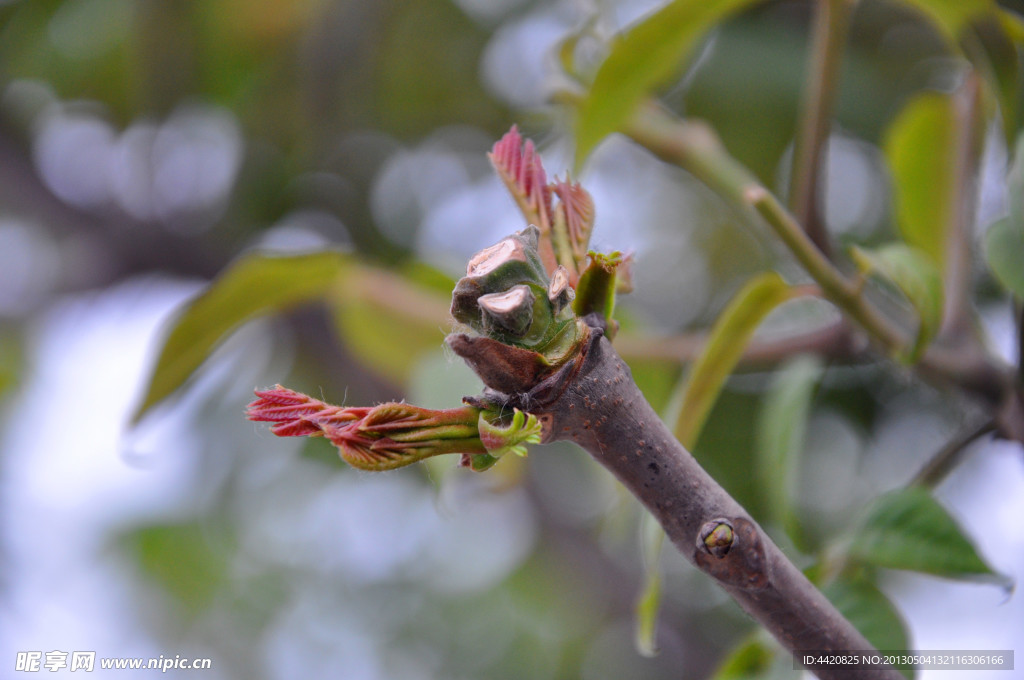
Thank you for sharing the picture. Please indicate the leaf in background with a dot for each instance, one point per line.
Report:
(951, 16)
(921, 148)
(388, 322)
(11, 361)
(909, 529)
(994, 49)
(871, 612)
(641, 59)
(182, 560)
(1004, 242)
(753, 659)
(781, 427)
(253, 285)
(1015, 184)
(730, 335)
(1004, 249)
(914, 273)
(649, 602)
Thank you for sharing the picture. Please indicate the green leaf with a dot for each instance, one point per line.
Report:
(649, 602)
(730, 335)
(921, 148)
(11, 361)
(917, 278)
(909, 529)
(641, 59)
(1004, 242)
(781, 427)
(1015, 184)
(750, 659)
(951, 16)
(871, 612)
(595, 291)
(994, 49)
(1004, 249)
(253, 285)
(182, 560)
(387, 321)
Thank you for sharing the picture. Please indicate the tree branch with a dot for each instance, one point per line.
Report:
(956, 322)
(833, 341)
(828, 39)
(695, 147)
(950, 456)
(594, 402)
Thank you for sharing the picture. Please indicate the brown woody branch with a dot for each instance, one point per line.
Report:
(594, 402)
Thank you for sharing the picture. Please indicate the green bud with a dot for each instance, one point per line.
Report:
(500, 437)
(511, 310)
(507, 296)
(560, 293)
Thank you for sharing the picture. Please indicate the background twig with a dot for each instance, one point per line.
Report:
(810, 147)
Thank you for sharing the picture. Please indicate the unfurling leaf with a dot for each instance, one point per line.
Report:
(573, 223)
(394, 435)
(597, 286)
(519, 166)
(564, 226)
(500, 438)
(371, 438)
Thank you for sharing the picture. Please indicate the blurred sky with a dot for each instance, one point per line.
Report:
(345, 570)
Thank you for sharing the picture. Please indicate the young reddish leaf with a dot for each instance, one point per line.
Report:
(384, 437)
(520, 168)
(394, 435)
(575, 210)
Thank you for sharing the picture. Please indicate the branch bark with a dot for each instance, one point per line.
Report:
(828, 40)
(694, 147)
(594, 402)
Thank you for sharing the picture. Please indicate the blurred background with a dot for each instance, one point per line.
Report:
(145, 144)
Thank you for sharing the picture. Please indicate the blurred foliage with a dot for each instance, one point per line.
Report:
(921, 145)
(247, 144)
(917, 277)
